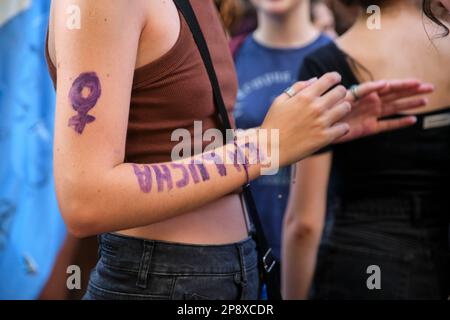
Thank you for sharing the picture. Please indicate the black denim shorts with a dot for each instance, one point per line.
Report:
(137, 269)
(407, 240)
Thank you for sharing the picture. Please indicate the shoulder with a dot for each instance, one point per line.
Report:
(321, 40)
(92, 13)
(238, 42)
(326, 56)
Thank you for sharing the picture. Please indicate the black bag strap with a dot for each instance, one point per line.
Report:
(269, 267)
(186, 9)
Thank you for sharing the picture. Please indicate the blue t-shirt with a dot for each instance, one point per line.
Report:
(263, 74)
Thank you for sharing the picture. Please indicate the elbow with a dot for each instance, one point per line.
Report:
(302, 229)
(80, 202)
(79, 218)
(82, 226)
(306, 230)
(79, 212)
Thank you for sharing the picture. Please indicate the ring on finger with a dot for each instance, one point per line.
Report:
(354, 91)
(290, 91)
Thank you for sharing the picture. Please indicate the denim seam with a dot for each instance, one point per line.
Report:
(123, 294)
(177, 274)
(195, 274)
(144, 266)
(172, 289)
(119, 268)
(243, 282)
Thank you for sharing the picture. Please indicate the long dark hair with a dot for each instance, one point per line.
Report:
(427, 10)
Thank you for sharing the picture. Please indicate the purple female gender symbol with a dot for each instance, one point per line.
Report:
(81, 104)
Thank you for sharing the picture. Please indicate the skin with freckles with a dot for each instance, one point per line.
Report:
(82, 103)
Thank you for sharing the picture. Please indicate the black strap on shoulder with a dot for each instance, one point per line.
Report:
(189, 15)
(269, 267)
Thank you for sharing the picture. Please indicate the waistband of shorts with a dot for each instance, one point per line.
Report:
(130, 254)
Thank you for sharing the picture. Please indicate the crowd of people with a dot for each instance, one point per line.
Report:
(359, 95)
(382, 195)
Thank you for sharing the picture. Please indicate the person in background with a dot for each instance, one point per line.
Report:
(115, 175)
(389, 239)
(323, 18)
(231, 13)
(267, 61)
(344, 15)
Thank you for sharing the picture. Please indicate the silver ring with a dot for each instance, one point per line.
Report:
(290, 91)
(354, 91)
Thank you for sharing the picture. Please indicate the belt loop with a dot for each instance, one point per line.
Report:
(144, 266)
(243, 267)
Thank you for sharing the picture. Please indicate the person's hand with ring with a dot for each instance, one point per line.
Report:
(372, 102)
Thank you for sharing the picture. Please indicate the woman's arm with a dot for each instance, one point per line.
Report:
(97, 191)
(303, 225)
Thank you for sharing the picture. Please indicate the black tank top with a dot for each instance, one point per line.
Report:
(408, 162)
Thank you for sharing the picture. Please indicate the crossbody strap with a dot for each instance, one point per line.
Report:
(189, 15)
(266, 259)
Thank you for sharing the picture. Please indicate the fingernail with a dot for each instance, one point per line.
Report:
(413, 119)
(312, 80)
(337, 76)
(347, 129)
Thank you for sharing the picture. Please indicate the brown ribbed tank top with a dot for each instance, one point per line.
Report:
(174, 91)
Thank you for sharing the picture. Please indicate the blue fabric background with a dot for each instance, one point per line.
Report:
(31, 229)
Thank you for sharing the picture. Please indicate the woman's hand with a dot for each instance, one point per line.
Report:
(310, 119)
(377, 100)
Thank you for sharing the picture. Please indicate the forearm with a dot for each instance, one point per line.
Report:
(299, 263)
(130, 195)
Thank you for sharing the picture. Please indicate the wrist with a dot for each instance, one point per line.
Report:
(255, 147)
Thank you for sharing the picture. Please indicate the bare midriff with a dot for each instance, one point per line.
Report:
(219, 222)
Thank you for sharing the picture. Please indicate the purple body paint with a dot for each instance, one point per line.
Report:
(163, 176)
(239, 159)
(194, 173)
(144, 178)
(83, 105)
(233, 157)
(203, 172)
(218, 161)
(244, 161)
(185, 180)
(253, 149)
